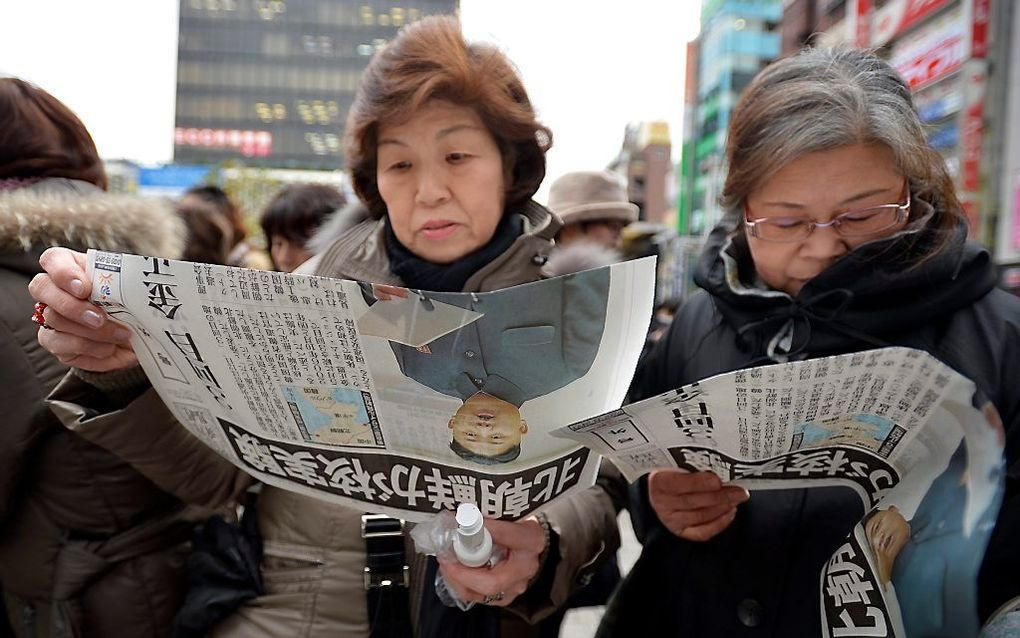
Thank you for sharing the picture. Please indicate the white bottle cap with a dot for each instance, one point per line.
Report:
(469, 518)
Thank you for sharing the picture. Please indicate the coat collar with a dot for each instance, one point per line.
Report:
(360, 254)
(869, 296)
(493, 385)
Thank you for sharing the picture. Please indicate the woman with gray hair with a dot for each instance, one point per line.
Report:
(843, 233)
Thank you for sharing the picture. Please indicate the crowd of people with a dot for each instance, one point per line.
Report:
(843, 233)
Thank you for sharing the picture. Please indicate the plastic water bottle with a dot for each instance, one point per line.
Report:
(472, 544)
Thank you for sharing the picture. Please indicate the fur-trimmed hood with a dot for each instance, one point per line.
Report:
(64, 213)
(336, 225)
(578, 256)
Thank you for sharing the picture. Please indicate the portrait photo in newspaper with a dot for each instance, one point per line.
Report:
(521, 345)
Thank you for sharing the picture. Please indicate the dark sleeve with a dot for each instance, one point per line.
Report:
(25, 381)
(147, 435)
(584, 534)
(999, 578)
(654, 376)
(1009, 400)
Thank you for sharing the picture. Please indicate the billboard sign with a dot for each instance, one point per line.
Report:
(932, 53)
(938, 102)
(972, 125)
(898, 16)
(247, 143)
(979, 29)
(170, 180)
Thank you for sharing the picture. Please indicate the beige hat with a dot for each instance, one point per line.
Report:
(586, 196)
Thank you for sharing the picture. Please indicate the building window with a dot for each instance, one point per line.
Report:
(270, 9)
(276, 44)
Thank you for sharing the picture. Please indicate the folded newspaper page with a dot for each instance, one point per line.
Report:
(413, 320)
(386, 400)
(907, 433)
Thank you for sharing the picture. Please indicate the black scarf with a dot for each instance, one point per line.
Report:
(419, 274)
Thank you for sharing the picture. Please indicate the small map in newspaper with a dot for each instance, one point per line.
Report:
(337, 416)
(868, 431)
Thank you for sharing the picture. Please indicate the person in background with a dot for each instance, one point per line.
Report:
(843, 233)
(241, 253)
(593, 206)
(291, 218)
(446, 153)
(662, 318)
(88, 546)
(209, 236)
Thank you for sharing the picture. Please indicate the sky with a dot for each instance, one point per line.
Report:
(590, 67)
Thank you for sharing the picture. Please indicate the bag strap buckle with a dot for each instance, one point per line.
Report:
(385, 564)
(387, 579)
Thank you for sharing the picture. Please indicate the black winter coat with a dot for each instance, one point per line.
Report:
(88, 546)
(760, 577)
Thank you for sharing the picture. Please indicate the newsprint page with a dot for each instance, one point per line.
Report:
(907, 433)
(409, 402)
(383, 399)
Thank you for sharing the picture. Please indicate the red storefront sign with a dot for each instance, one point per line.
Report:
(918, 10)
(972, 128)
(970, 211)
(932, 52)
(979, 29)
(248, 143)
(928, 65)
(899, 15)
(863, 36)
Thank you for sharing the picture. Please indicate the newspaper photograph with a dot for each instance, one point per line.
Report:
(907, 433)
(386, 399)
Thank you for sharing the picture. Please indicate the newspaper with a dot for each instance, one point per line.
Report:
(907, 433)
(383, 399)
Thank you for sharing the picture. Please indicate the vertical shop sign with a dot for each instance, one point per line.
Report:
(972, 126)
(1016, 211)
(979, 29)
(862, 37)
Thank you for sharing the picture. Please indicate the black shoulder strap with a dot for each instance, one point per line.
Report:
(386, 577)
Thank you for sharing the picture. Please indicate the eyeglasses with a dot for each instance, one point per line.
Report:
(854, 223)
